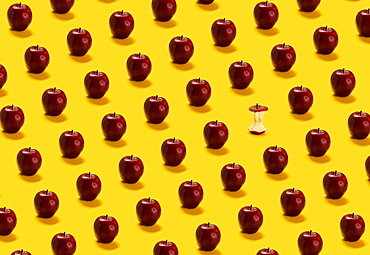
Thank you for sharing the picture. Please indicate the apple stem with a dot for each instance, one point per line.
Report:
(79, 30)
(97, 72)
(301, 88)
(199, 80)
(241, 62)
(233, 165)
(276, 147)
(353, 215)
(166, 242)
(310, 232)
(55, 89)
(318, 130)
(268, 249)
(224, 20)
(283, 45)
(122, 12)
(181, 37)
(174, 140)
(360, 112)
(4, 209)
(12, 106)
(148, 199)
(131, 157)
(46, 192)
(216, 123)
(64, 234)
(326, 28)
(335, 172)
(343, 70)
(37, 47)
(114, 114)
(191, 182)
(368, 10)
(89, 174)
(266, 3)
(156, 97)
(72, 132)
(106, 217)
(208, 225)
(139, 55)
(21, 251)
(293, 190)
(251, 207)
(20, 4)
(257, 106)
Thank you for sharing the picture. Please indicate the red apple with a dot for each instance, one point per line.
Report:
(335, 184)
(163, 10)
(359, 125)
(88, 186)
(250, 219)
(233, 177)
(181, 49)
(165, 248)
(367, 167)
(208, 236)
(63, 244)
(113, 126)
(267, 251)
(54, 101)
(156, 109)
(283, 57)
(352, 227)
(173, 151)
(342, 82)
(37, 59)
(8, 221)
(61, 6)
(19, 16)
(363, 22)
(310, 243)
(12, 119)
(308, 5)
(138, 67)
(215, 134)
(131, 169)
(325, 40)
(317, 142)
(3, 76)
(190, 194)
(266, 15)
(121, 24)
(148, 211)
(46, 203)
(29, 161)
(20, 252)
(223, 32)
(71, 144)
(96, 84)
(275, 159)
(106, 229)
(198, 92)
(240, 74)
(79, 41)
(300, 99)
(292, 202)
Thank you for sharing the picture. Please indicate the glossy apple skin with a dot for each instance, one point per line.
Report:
(131, 169)
(79, 41)
(310, 243)
(165, 248)
(367, 167)
(163, 10)
(233, 177)
(300, 99)
(173, 151)
(275, 159)
(342, 82)
(121, 24)
(266, 15)
(352, 227)
(267, 252)
(8, 221)
(61, 6)
(359, 125)
(113, 126)
(292, 202)
(19, 17)
(12, 119)
(54, 101)
(181, 49)
(29, 161)
(363, 22)
(138, 67)
(20, 252)
(63, 244)
(208, 236)
(215, 134)
(190, 194)
(148, 211)
(71, 144)
(325, 40)
(156, 109)
(240, 74)
(335, 184)
(283, 57)
(46, 203)
(37, 59)
(317, 142)
(96, 84)
(106, 229)
(198, 92)
(250, 219)
(3, 76)
(88, 186)
(223, 32)
(205, 1)
(308, 5)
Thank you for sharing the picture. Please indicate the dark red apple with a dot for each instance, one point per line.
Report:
(96, 84)
(308, 5)
(63, 244)
(342, 82)
(325, 40)
(88, 186)
(121, 24)
(367, 167)
(46, 203)
(283, 57)
(156, 109)
(138, 67)
(37, 59)
(131, 169)
(79, 41)
(8, 221)
(266, 15)
(300, 99)
(173, 151)
(71, 144)
(19, 16)
(29, 161)
(310, 243)
(359, 125)
(3, 76)
(54, 101)
(106, 229)
(363, 22)
(205, 1)
(113, 126)
(292, 202)
(20, 252)
(208, 236)
(181, 49)
(335, 184)
(250, 219)
(317, 142)
(215, 134)
(12, 119)
(267, 251)
(223, 32)
(165, 248)
(240, 74)
(163, 10)
(352, 227)
(190, 194)
(233, 177)
(198, 92)
(61, 6)
(148, 211)
(275, 159)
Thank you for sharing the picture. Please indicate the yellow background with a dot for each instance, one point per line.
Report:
(186, 123)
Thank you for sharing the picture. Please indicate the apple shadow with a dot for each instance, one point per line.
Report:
(34, 178)
(151, 229)
(287, 75)
(92, 204)
(184, 67)
(175, 169)
(98, 101)
(66, 16)
(14, 136)
(268, 32)
(140, 84)
(195, 211)
(125, 42)
(338, 202)
(235, 194)
(220, 152)
(228, 49)
(81, 59)
(160, 126)
(133, 186)
(3, 93)
(57, 119)
(214, 252)
(165, 24)
(345, 100)
(21, 34)
(294, 219)
(116, 144)
(108, 246)
(38, 76)
(73, 161)
(253, 237)
(200, 109)
(208, 7)
(361, 142)
(304, 117)
(358, 244)
(323, 159)
(364, 39)
(9, 238)
(327, 57)
(107, 1)
(48, 221)
(310, 15)
(242, 92)
(278, 177)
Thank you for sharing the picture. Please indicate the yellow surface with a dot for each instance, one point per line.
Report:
(186, 123)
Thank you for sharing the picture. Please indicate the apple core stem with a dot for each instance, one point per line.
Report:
(106, 217)
(4, 209)
(310, 232)
(199, 80)
(268, 249)
(29, 149)
(131, 157)
(37, 47)
(122, 12)
(156, 97)
(216, 123)
(276, 147)
(97, 72)
(46, 192)
(251, 207)
(283, 45)
(208, 225)
(148, 199)
(174, 140)
(335, 172)
(72, 132)
(114, 115)
(343, 70)
(166, 242)
(89, 174)
(266, 3)
(360, 112)
(241, 62)
(326, 28)
(79, 30)
(353, 215)
(301, 87)
(293, 190)
(191, 182)
(139, 55)
(12, 107)
(257, 106)
(318, 130)
(233, 165)
(55, 89)
(224, 20)
(64, 234)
